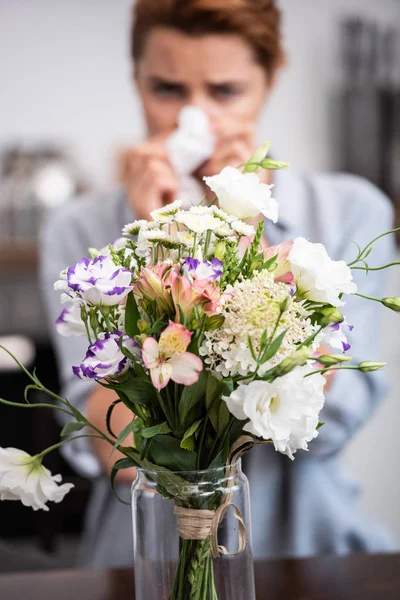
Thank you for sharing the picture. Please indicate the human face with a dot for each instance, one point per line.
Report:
(215, 72)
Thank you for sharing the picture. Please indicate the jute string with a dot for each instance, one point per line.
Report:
(200, 524)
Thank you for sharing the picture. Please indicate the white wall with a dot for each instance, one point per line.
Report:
(65, 75)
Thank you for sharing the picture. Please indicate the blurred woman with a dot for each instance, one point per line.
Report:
(224, 57)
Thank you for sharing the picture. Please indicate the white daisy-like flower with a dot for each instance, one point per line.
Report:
(221, 214)
(198, 223)
(185, 238)
(224, 231)
(134, 227)
(154, 235)
(242, 228)
(167, 213)
(201, 210)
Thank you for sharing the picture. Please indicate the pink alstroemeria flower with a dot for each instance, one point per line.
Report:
(167, 359)
(283, 271)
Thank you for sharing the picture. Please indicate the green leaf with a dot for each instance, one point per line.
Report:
(192, 429)
(132, 427)
(132, 316)
(108, 417)
(223, 417)
(137, 390)
(122, 463)
(188, 443)
(71, 427)
(191, 395)
(166, 452)
(160, 429)
(273, 348)
(251, 348)
(320, 425)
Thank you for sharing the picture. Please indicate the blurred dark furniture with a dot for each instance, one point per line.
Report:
(370, 105)
(355, 577)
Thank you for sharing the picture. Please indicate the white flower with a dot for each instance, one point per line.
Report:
(201, 210)
(185, 238)
(198, 223)
(318, 277)
(250, 308)
(243, 228)
(285, 411)
(242, 194)
(167, 213)
(70, 323)
(134, 227)
(154, 235)
(24, 478)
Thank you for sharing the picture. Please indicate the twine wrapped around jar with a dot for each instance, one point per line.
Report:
(200, 524)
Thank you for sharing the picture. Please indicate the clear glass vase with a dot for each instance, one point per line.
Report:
(192, 535)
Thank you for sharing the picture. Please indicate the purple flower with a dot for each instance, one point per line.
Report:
(99, 281)
(203, 270)
(104, 358)
(336, 336)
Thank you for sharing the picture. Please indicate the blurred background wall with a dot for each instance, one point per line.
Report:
(65, 82)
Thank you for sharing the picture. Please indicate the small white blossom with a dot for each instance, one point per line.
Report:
(134, 227)
(167, 213)
(24, 478)
(70, 323)
(154, 235)
(198, 223)
(243, 228)
(185, 238)
(250, 307)
(285, 411)
(317, 276)
(242, 194)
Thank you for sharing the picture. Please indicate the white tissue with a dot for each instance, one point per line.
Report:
(187, 148)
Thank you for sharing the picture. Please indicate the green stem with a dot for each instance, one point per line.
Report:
(368, 297)
(21, 366)
(376, 268)
(77, 437)
(324, 370)
(368, 246)
(203, 432)
(39, 405)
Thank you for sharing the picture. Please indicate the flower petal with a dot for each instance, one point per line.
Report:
(161, 374)
(185, 368)
(150, 352)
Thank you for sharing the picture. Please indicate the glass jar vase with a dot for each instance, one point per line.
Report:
(192, 535)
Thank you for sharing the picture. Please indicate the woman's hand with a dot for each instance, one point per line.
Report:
(149, 179)
(235, 145)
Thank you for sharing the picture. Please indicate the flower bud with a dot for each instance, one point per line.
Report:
(220, 250)
(367, 366)
(392, 303)
(214, 322)
(269, 163)
(327, 315)
(253, 164)
(329, 360)
(142, 326)
(297, 359)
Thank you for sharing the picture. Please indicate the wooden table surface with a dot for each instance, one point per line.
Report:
(356, 577)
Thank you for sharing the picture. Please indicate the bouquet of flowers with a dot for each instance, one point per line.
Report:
(211, 341)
